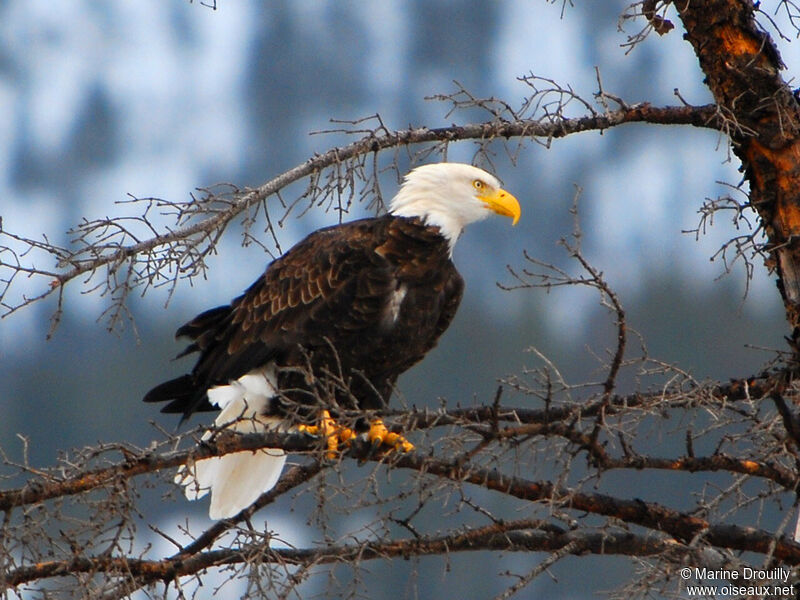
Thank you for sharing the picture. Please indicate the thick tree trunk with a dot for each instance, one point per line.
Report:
(742, 68)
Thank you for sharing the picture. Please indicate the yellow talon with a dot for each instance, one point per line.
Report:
(329, 431)
(346, 435)
(380, 436)
(328, 428)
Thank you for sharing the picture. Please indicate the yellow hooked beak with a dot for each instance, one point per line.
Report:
(502, 203)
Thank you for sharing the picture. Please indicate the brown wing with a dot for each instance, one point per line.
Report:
(330, 285)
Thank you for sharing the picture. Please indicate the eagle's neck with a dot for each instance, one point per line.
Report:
(438, 203)
(449, 225)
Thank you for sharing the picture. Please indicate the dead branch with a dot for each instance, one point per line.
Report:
(681, 528)
(516, 536)
(558, 420)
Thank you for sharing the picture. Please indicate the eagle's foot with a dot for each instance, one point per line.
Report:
(379, 435)
(333, 433)
(336, 435)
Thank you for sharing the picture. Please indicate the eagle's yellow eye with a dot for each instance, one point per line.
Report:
(478, 185)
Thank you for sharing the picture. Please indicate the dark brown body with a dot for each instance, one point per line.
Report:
(342, 315)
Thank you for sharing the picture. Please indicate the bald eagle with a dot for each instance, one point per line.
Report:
(330, 324)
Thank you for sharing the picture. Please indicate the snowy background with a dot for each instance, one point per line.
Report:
(157, 98)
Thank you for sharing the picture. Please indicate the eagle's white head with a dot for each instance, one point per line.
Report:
(451, 196)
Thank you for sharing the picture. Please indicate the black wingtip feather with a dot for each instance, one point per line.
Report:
(182, 396)
(175, 389)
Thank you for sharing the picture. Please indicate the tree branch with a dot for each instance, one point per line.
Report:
(684, 527)
(515, 536)
(559, 420)
(647, 514)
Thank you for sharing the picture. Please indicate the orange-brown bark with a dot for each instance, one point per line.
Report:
(742, 68)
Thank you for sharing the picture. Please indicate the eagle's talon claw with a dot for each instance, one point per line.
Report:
(379, 435)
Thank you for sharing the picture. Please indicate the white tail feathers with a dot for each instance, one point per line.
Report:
(237, 480)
